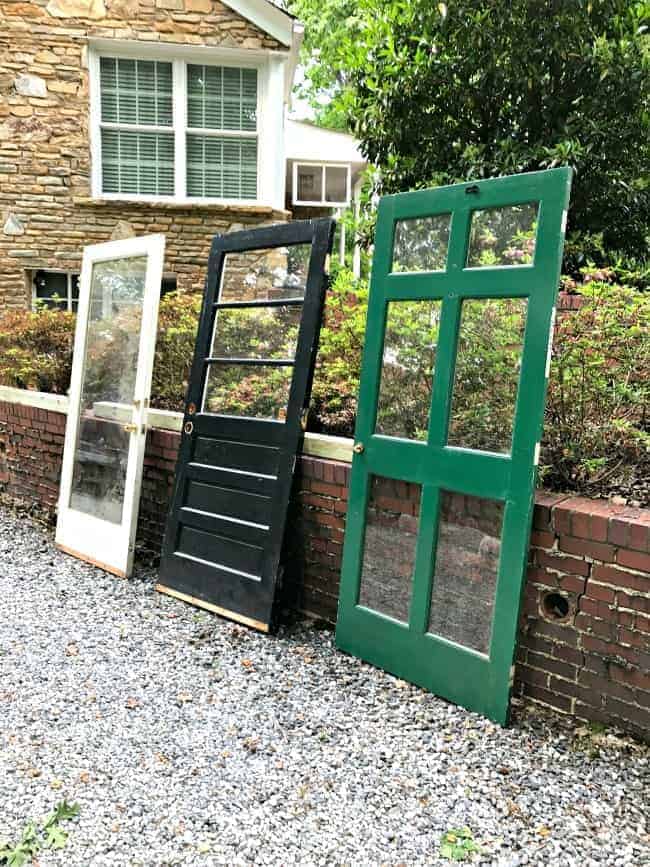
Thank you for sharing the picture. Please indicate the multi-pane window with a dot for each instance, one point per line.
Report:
(57, 289)
(136, 126)
(221, 132)
(321, 184)
(178, 129)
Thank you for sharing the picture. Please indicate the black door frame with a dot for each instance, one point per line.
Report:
(247, 601)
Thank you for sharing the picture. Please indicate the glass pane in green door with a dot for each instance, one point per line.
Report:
(503, 236)
(392, 519)
(421, 243)
(410, 345)
(488, 366)
(466, 568)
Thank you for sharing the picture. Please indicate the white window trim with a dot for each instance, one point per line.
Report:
(70, 276)
(271, 70)
(322, 203)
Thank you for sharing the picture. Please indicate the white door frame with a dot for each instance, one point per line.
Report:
(107, 545)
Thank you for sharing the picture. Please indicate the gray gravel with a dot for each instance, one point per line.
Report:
(188, 740)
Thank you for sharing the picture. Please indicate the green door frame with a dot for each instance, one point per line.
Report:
(478, 681)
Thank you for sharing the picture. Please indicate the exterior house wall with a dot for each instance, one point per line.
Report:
(47, 213)
(588, 655)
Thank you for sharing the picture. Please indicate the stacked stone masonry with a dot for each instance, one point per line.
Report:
(584, 639)
(47, 214)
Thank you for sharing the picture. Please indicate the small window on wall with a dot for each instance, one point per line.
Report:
(60, 289)
(319, 184)
(167, 284)
(56, 289)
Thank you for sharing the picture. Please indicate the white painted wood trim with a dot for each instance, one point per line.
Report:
(38, 399)
(106, 542)
(323, 203)
(314, 445)
(271, 70)
(265, 15)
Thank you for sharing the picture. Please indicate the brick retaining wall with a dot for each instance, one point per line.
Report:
(584, 642)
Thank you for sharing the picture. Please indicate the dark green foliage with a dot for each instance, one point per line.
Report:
(442, 92)
(597, 429)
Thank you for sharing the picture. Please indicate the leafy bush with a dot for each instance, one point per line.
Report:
(597, 432)
(36, 349)
(178, 319)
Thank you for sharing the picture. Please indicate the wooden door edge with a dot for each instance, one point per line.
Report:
(103, 566)
(215, 609)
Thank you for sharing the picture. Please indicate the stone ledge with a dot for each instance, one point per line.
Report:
(163, 205)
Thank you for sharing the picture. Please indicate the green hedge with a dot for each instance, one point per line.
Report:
(597, 432)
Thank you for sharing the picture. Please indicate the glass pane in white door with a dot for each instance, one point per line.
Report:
(109, 373)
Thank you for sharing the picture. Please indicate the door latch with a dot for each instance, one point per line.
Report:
(131, 428)
(358, 448)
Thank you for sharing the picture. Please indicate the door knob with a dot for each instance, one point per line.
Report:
(131, 428)
(358, 448)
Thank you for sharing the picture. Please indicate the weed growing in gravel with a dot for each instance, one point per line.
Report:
(49, 836)
(458, 844)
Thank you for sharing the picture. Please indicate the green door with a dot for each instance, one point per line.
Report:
(455, 367)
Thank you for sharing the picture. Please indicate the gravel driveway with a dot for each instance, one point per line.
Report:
(188, 740)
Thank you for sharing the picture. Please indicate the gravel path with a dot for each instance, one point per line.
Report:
(188, 740)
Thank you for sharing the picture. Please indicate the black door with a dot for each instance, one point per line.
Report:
(249, 388)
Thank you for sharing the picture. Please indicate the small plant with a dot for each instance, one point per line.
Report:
(458, 844)
(49, 836)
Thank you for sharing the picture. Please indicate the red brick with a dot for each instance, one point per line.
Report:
(329, 489)
(563, 564)
(603, 628)
(581, 525)
(602, 686)
(595, 608)
(596, 550)
(540, 576)
(628, 580)
(642, 623)
(618, 532)
(573, 583)
(635, 560)
(598, 591)
(562, 519)
(542, 539)
(637, 603)
(538, 693)
(547, 663)
(568, 654)
(632, 637)
(631, 676)
(639, 537)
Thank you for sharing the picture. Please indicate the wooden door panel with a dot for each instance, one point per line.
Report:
(242, 425)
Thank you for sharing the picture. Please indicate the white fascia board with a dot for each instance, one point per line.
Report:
(265, 15)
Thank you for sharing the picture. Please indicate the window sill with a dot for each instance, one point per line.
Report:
(253, 210)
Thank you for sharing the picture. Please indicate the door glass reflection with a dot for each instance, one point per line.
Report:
(256, 332)
(248, 390)
(466, 568)
(421, 243)
(503, 236)
(265, 274)
(110, 363)
(488, 367)
(410, 345)
(389, 547)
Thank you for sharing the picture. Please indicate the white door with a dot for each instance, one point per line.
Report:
(113, 359)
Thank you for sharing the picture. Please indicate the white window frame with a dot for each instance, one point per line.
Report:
(70, 276)
(271, 70)
(321, 203)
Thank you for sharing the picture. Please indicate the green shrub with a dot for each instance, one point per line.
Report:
(597, 431)
(36, 349)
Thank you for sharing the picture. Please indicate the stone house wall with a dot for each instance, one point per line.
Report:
(47, 214)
